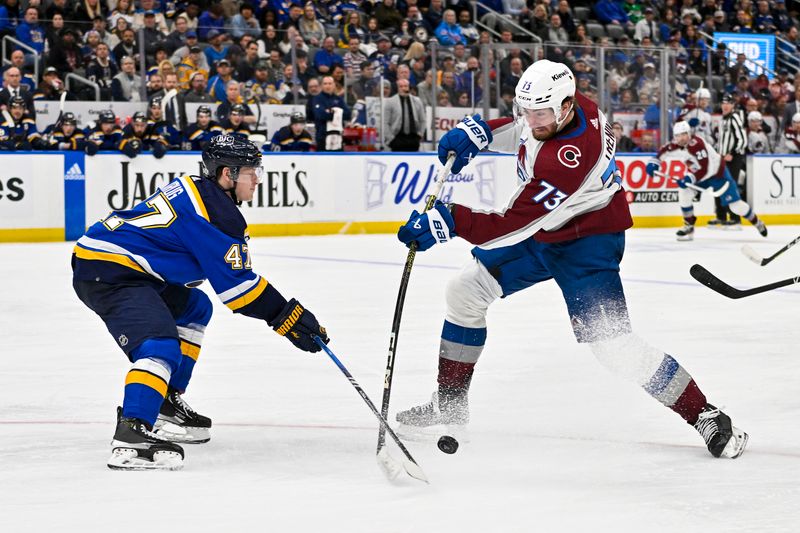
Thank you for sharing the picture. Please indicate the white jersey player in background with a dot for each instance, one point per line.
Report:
(705, 168)
(696, 114)
(565, 222)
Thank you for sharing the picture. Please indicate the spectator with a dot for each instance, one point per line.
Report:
(12, 87)
(325, 58)
(387, 15)
(197, 89)
(153, 36)
(610, 12)
(353, 58)
(275, 66)
(292, 39)
(216, 52)
(648, 84)
(245, 23)
(433, 16)
(199, 133)
(211, 20)
(126, 47)
(352, 28)
(384, 59)
(403, 38)
(448, 33)
(313, 89)
(449, 86)
(294, 137)
(9, 14)
(192, 14)
(127, 85)
(419, 28)
(18, 61)
(53, 32)
(102, 70)
(304, 72)
(647, 27)
(51, 86)
(405, 120)
(295, 13)
(268, 42)
(177, 39)
(373, 33)
(124, 10)
(469, 82)
(564, 11)
(233, 97)
(67, 57)
(330, 115)
(218, 83)
(85, 12)
(181, 53)
(460, 58)
(310, 28)
(32, 34)
(194, 62)
(92, 39)
(256, 88)
(247, 65)
(515, 73)
(105, 135)
(624, 143)
(366, 83)
(425, 89)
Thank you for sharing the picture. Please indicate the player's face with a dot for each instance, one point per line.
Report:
(249, 178)
(139, 127)
(542, 122)
(106, 128)
(68, 129)
(682, 139)
(17, 111)
(297, 128)
(203, 120)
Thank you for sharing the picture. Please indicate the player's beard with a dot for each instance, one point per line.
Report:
(544, 133)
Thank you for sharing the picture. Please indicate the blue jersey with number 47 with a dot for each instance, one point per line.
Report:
(188, 231)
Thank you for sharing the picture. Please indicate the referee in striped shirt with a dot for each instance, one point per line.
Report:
(732, 147)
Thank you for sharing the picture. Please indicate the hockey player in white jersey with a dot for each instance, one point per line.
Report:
(790, 141)
(706, 169)
(696, 114)
(565, 222)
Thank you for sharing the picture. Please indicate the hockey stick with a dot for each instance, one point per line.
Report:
(751, 254)
(57, 124)
(382, 454)
(715, 284)
(715, 193)
(410, 465)
(165, 101)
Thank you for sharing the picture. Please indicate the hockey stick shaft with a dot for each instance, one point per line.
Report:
(713, 192)
(753, 255)
(401, 297)
(711, 281)
(415, 471)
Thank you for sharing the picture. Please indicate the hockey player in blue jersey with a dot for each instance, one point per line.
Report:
(139, 271)
(106, 135)
(294, 137)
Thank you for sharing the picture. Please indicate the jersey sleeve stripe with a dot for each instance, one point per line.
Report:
(194, 196)
(105, 251)
(249, 296)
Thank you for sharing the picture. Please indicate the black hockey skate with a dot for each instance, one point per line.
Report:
(686, 233)
(447, 413)
(761, 227)
(722, 438)
(136, 447)
(177, 422)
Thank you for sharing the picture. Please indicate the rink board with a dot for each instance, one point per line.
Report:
(56, 196)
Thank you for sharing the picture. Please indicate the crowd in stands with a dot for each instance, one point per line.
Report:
(330, 55)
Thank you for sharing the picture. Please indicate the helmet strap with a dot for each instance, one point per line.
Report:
(559, 123)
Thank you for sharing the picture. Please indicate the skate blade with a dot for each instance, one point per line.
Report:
(181, 434)
(736, 445)
(685, 238)
(128, 459)
(432, 433)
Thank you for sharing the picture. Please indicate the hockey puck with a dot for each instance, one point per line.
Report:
(447, 444)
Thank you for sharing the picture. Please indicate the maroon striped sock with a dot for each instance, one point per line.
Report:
(690, 403)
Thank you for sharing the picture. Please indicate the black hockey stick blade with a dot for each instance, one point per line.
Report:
(384, 459)
(715, 284)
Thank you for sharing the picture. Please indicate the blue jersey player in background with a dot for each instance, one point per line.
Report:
(139, 271)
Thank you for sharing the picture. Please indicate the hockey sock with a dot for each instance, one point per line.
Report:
(145, 389)
(189, 354)
(459, 350)
(454, 375)
(674, 387)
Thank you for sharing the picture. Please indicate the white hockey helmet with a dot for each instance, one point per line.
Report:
(754, 116)
(795, 118)
(681, 127)
(703, 93)
(545, 85)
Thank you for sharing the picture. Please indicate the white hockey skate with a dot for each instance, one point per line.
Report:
(722, 438)
(135, 447)
(178, 422)
(431, 420)
(686, 233)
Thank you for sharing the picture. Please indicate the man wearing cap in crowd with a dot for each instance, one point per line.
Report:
(105, 135)
(65, 135)
(190, 44)
(191, 64)
(18, 129)
(256, 88)
(211, 19)
(218, 83)
(51, 86)
(294, 137)
(385, 59)
(153, 35)
(149, 7)
(216, 51)
(137, 136)
(647, 27)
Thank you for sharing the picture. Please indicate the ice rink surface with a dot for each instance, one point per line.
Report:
(558, 443)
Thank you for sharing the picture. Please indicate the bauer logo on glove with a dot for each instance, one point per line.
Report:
(434, 227)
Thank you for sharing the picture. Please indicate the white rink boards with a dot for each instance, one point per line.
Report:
(558, 444)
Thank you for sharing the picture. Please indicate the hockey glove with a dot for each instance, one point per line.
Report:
(469, 137)
(435, 226)
(298, 325)
(92, 148)
(652, 167)
(693, 122)
(685, 181)
(159, 149)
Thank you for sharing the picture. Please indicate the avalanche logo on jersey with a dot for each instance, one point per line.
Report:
(522, 159)
(569, 156)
